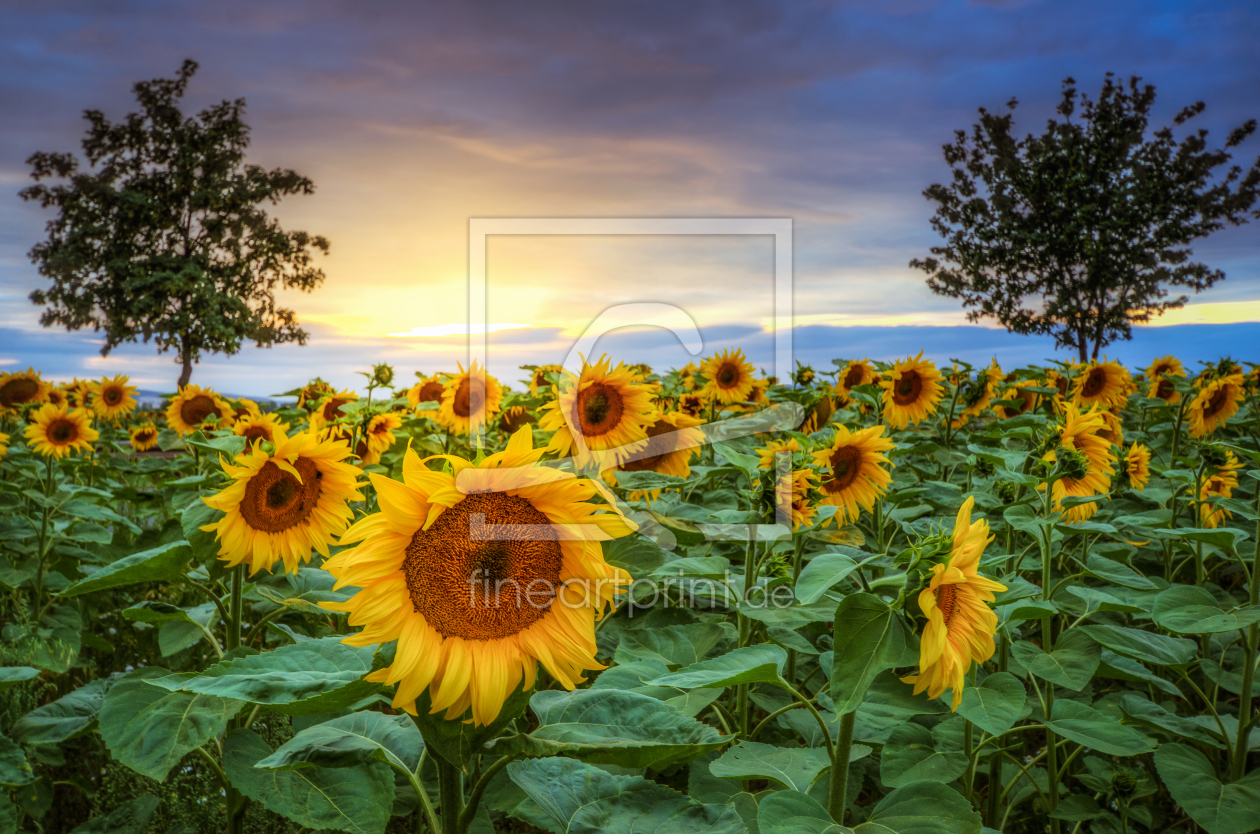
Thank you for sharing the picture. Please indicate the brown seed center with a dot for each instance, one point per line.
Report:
(332, 408)
(469, 397)
(908, 388)
(599, 409)
(256, 432)
(275, 500)
(727, 375)
(846, 465)
(197, 408)
(947, 601)
(18, 391)
(1217, 403)
(853, 377)
(112, 396)
(430, 392)
(63, 431)
(1094, 383)
(658, 445)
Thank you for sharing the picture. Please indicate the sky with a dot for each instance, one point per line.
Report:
(413, 118)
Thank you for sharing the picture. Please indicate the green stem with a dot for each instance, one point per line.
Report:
(235, 607)
(1249, 666)
(474, 796)
(427, 815)
(1047, 640)
(745, 634)
(450, 795)
(840, 768)
(789, 668)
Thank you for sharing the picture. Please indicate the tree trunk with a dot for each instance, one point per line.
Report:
(185, 357)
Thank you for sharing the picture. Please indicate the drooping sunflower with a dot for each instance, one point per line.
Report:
(1103, 384)
(819, 415)
(1113, 428)
(792, 497)
(242, 408)
(427, 390)
(729, 377)
(480, 584)
(911, 391)
(143, 437)
(1080, 433)
(21, 388)
(1216, 402)
(853, 475)
(56, 431)
(857, 372)
(691, 404)
(112, 398)
(606, 407)
(470, 399)
(514, 418)
(960, 624)
(266, 427)
(672, 441)
(283, 504)
(192, 406)
(1159, 376)
(1223, 481)
(1137, 465)
(1059, 382)
(767, 454)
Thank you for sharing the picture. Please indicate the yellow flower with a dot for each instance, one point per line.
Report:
(1137, 463)
(1057, 381)
(960, 624)
(767, 453)
(606, 407)
(672, 441)
(266, 427)
(1104, 384)
(911, 391)
(4, 444)
(21, 388)
(330, 405)
(1017, 400)
(1215, 404)
(57, 431)
(1159, 376)
(281, 505)
(853, 476)
(515, 418)
(1081, 432)
(312, 392)
(469, 400)
(380, 432)
(538, 380)
(691, 404)
(858, 372)
(480, 574)
(1222, 482)
(57, 396)
(192, 406)
(112, 398)
(143, 437)
(792, 497)
(427, 390)
(730, 377)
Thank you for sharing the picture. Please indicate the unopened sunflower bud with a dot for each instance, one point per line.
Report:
(1213, 455)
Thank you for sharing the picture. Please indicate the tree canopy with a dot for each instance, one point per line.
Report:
(1085, 230)
(165, 237)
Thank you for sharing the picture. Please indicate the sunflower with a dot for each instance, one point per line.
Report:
(767, 453)
(112, 398)
(1016, 400)
(803, 375)
(57, 396)
(606, 407)
(975, 397)
(537, 586)
(691, 404)
(281, 505)
(1058, 381)
(911, 391)
(1080, 433)
(853, 476)
(261, 427)
(1159, 373)
(192, 406)
(4, 445)
(78, 393)
(1103, 384)
(427, 390)
(1222, 482)
(57, 431)
(380, 432)
(729, 377)
(330, 404)
(672, 441)
(1137, 465)
(242, 408)
(538, 379)
(687, 376)
(514, 418)
(21, 388)
(312, 392)
(469, 399)
(792, 497)
(960, 624)
(1215, 404)
(143, 437)
(1113, 428)
(858, 372)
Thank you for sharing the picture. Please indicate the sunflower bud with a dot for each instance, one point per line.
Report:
(1214, 456)
(382, 375)
(1072, 464)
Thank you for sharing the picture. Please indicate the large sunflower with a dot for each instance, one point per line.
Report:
(1159, 376)
(143, 437)
(853, 474)
(1104, 384)
(729, 377)
(21, 388)
(427, 390)
(911, 391)
(606, 407)
(1223, 481)
(1137, 465)
(857, 372)
(267, 427)
(672, 441)
(1215, 404)
(192, 406)
(1081, 433)
(112, 398)
(470, 399)
(480, 586)
(57, 431)
(281, 505)
(960, 624)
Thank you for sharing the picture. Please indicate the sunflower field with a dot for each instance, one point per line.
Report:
(882, 598)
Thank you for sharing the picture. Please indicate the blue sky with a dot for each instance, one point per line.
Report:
(412, 118)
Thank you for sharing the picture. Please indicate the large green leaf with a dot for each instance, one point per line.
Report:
(675, 646)
(610, 726)
(995, 704)
(1150, 714)
(161, 564)
(70, 715)
(1217, 808)
(792, 812)
(922, 808)
(10, 814)
(795, 768)
(129, 818)
(1096, 730)
(352, 740)
(1117, 573)
(1189, 609)
(1071, 664)
(914, 753)
(762, 663)
(459, 740)
(870, 637)
(305, 678)
(822, 573)
(14, 768)
(11, 676)
(1142, 645)
(356, 799)
(149, 728)
(583, 799)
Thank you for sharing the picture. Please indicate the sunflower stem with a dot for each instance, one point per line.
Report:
(745, 634)
(840, 768)
(235, 607)
(1047, 639)
(450, 795)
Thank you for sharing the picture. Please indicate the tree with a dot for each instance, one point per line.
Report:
(165, 237)
(1085, 230)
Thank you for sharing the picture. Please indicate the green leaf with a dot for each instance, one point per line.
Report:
(459, 740)
(161, 564)
(11, 815)
(228, 447)
(1143, 711)
(583, 799)
(705, 567)
(1216, 807)
(1071, 664)
(1226, 679)
(824, 571)
(70, 715)
(149, 728)
(1189, 609)
(129, 818)
(792, 812)
(679, 645)
(1122, 668)
(1097, 731)
(636, 555)
(298, 679)
(1099, 600)
(356, 799)
(795, 768)
(11, 676)
(349, 741)
(1116, 572)
(609, 726)
(646, 481)
(875, 639)
(922, 808)
(14, 768)
(1142, 645)
(995, 704)
(762, 663)
(914, 753)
